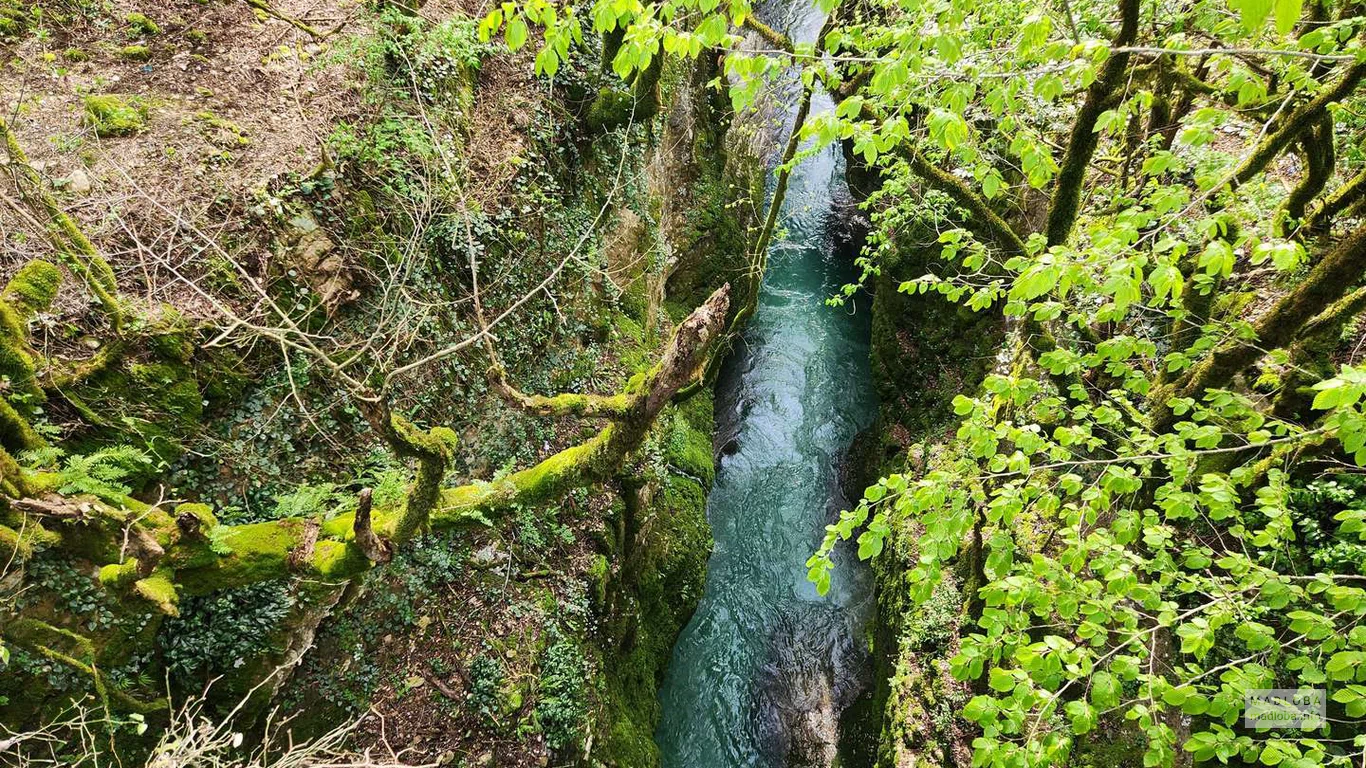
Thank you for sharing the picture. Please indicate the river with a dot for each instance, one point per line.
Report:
(760, 674)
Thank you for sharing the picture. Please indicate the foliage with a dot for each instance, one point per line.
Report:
(486, 686)
(561, 709)
(221, 632)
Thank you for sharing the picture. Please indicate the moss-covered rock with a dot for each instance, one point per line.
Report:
(32, 288)
(113, 115)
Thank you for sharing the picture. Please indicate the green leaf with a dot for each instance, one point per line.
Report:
(515, 35)
(1001, 680)
(1252, 13)
(1104, 691)
(1287, 13)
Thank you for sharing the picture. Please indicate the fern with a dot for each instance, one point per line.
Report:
(46, 457)
(308, 500)
(103, 472)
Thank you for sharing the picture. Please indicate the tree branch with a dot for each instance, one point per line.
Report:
(1319, 157)
(1282, 325)
(980, 211)
(350, 544)
(1321, 218)
(772, 36)
(566, 404)
(1062, 209)
(1297, 123)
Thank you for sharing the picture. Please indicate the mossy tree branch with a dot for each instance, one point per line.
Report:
(1313, 348)
(431, 449)
(1319, 159)
(1297, 124)
(612, 406)
(198, 562)
(770, 35)
(1329, 280)
(1353, 191)
(980, 212)
(1081, 145)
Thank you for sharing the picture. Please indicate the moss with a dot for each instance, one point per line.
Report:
(33, 633)
(541, 482)
(15, 18)
(338, 560)
(119, 575)
(610, 109)
(222, 132)
(159, 590)
(15, 433)
(13, 548)
(170, 337)
(32, 288)
(135, 52)
(221, 376)
(255, 552)
(75, 55)
(16, 363)
(157, 403)
(112, 115)
(141, 24)
(912, 336)
(665, 590)
(599, 571)
(1113, 745)
(201, 512)
(688, 443)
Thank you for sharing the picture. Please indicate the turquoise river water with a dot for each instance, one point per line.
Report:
(759, 676)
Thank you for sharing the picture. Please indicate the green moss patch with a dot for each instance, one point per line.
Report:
(160, 591)
(33, 288)
(113, 115)
(142, 25)
(135, 52)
